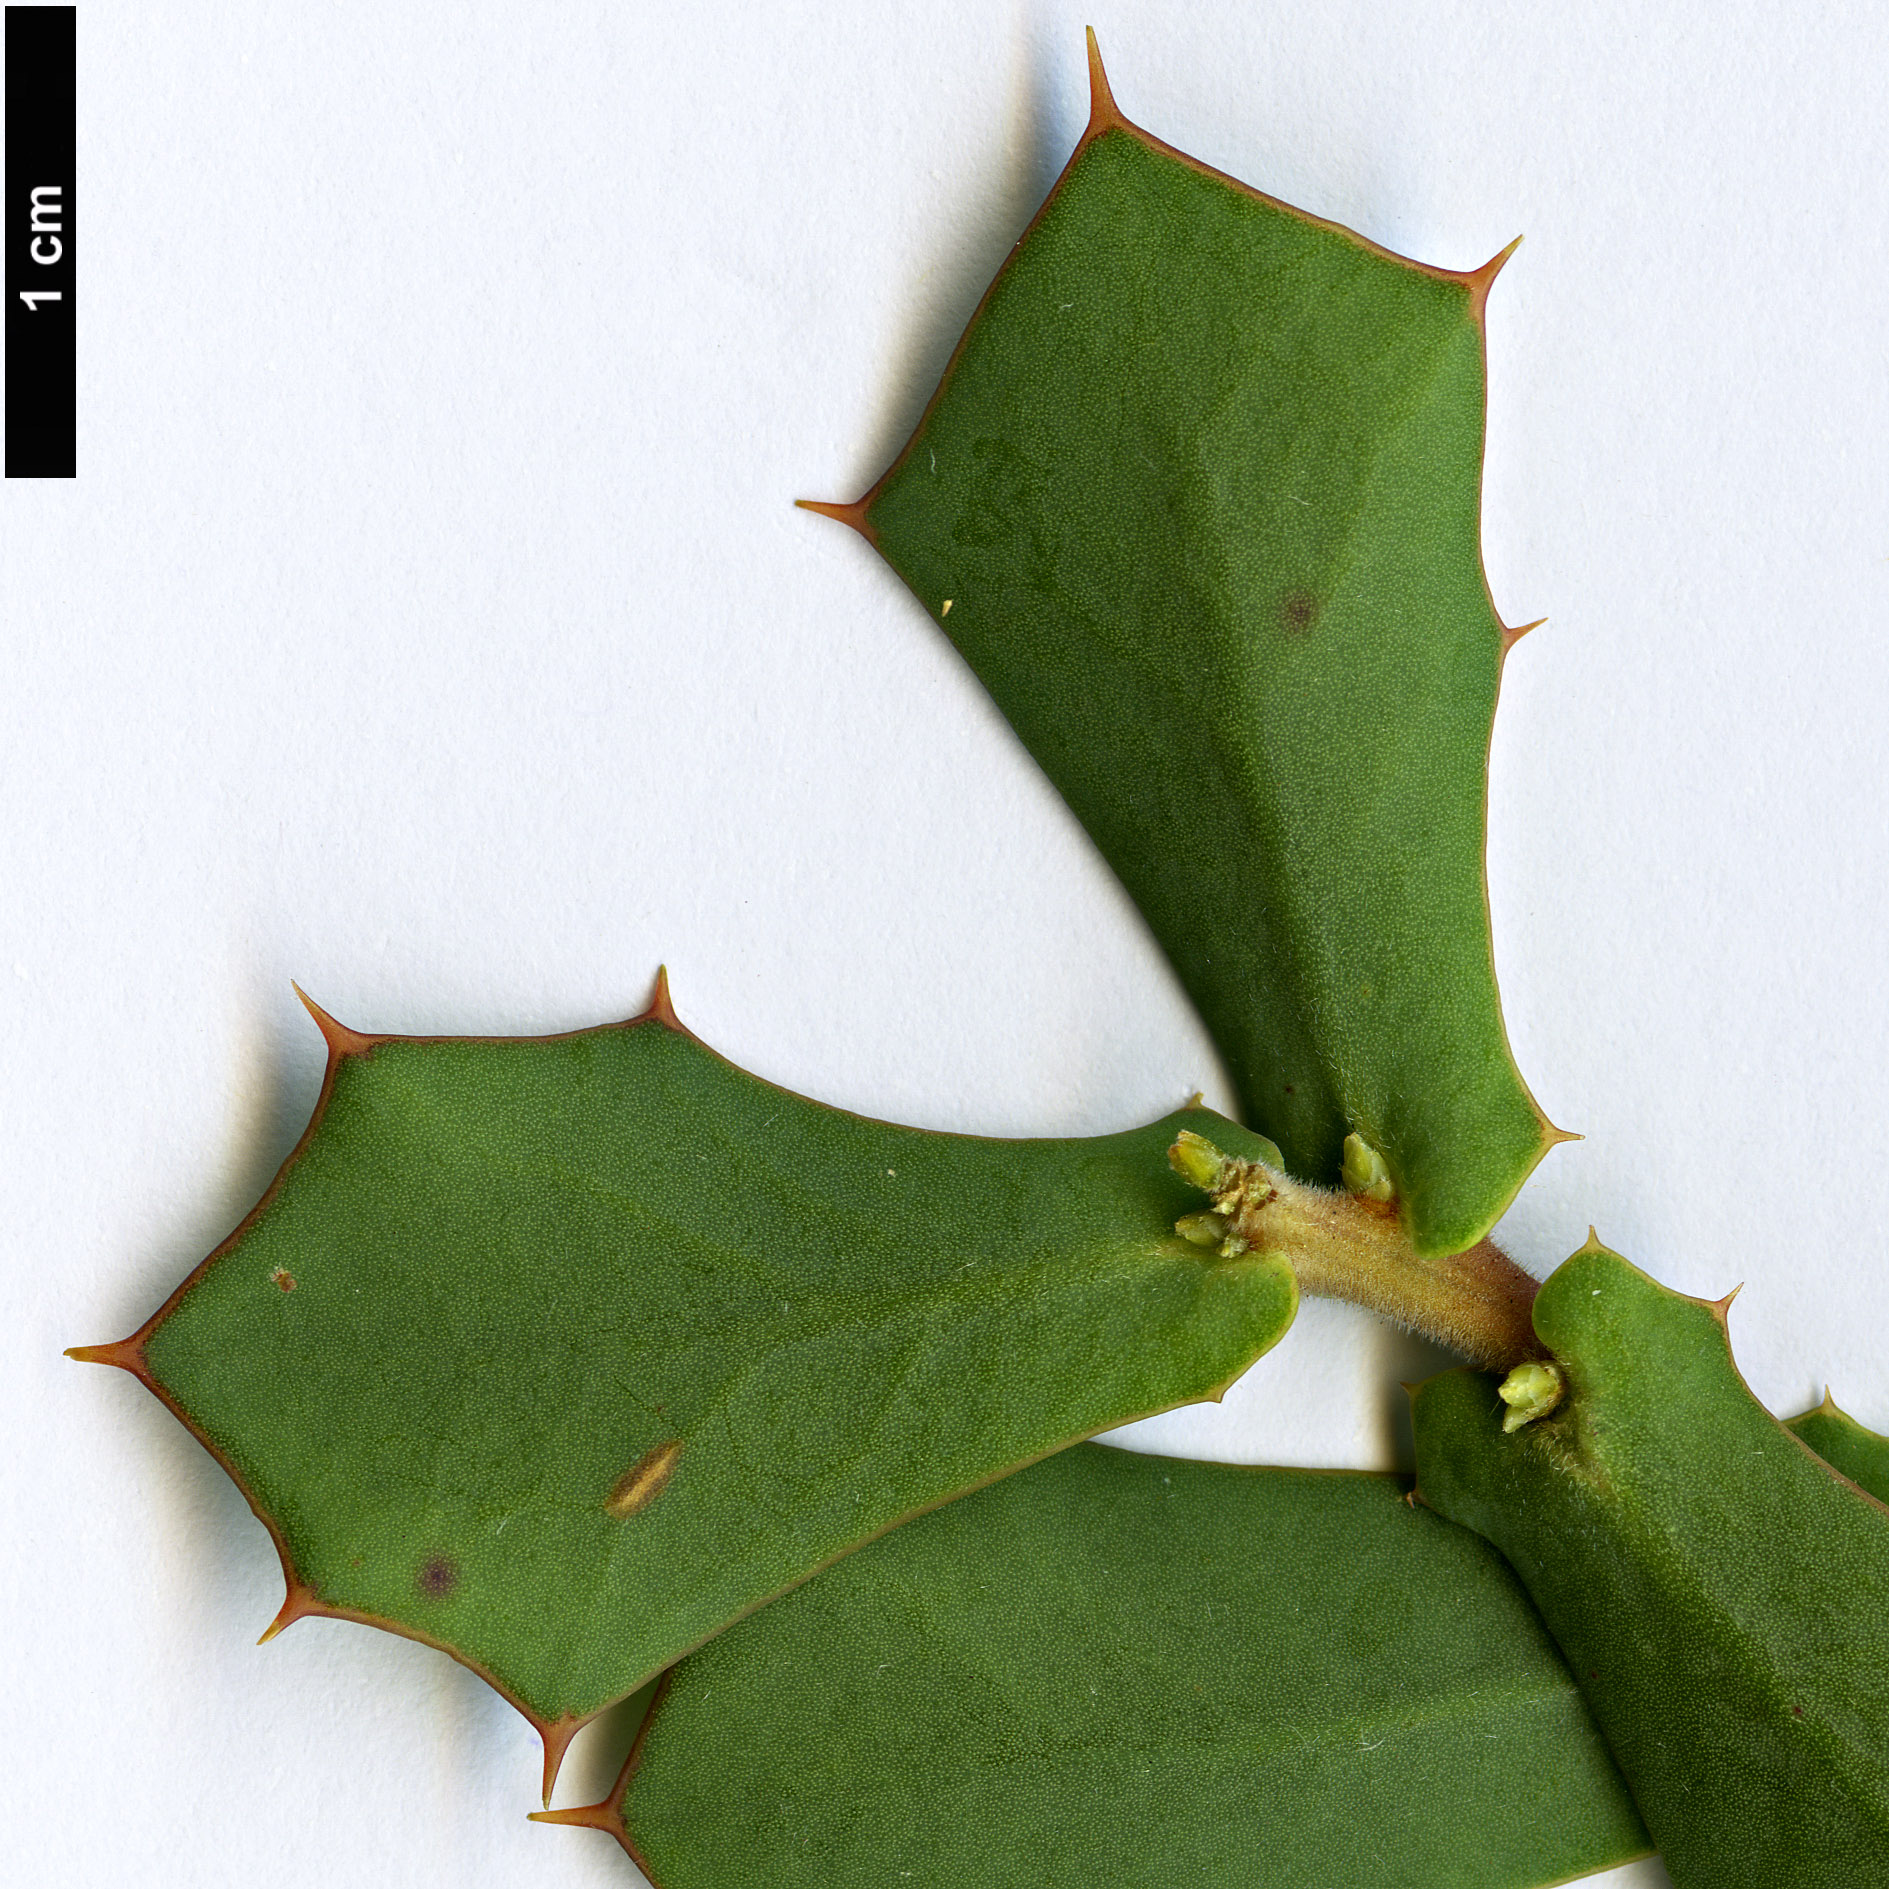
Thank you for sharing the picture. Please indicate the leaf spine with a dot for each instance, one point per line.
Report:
(607, 1816)
(661, 1009)
(299, 1602)
(579, 1817)
(1104, 113)
(126, 1355)
(853, 515)
(340, 1039)
(557, 1734)
(1480, 281)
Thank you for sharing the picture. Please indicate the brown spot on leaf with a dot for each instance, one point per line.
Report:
(644, 1480)
(1298, 612)
(439, 1575)
(286, 1280)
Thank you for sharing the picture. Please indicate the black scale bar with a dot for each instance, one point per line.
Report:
(42, 358)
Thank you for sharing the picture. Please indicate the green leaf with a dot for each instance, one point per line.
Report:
(1721, 1594)
(1845, 1445)
(1126, 1670)
(562, 1353)
(1198, 500)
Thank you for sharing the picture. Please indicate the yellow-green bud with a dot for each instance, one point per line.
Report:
(1531, 1390)
(1197, 1161)
(1365, 1172)
(1202, 1229)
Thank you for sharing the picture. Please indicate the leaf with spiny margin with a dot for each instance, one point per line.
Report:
(1845, 1445)
(563, 1353)
(1128, 1670)
(1198, 499)
(1721, 1593)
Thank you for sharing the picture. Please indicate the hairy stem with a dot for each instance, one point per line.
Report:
(1352, 1246)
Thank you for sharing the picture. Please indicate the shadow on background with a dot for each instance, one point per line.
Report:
(969, 246)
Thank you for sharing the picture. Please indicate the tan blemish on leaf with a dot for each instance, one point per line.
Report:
(644, 1480)
(282, 1278)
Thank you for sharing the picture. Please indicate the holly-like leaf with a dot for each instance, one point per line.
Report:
(562, 1353)
(1198, 500)
(1145, 1673)
(1721, 1594)
(1845, 1445)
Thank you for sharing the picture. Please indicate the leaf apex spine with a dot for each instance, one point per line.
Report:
(1510, 637)
(297, 1603)
(340, 1039)
(1480, 281)
(557, 1734)
(662, 1008)
(853, 515)
(1104, 113)
(126, 1355)
(578, 1817)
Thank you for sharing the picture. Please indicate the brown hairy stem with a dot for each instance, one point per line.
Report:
(1340, 1246)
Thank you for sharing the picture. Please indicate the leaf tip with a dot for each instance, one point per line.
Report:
(853, 515)
(662, 1008)
(1479, 281)
(340, 1039)
(126, 1355)
(1721, 1308)
(557, 1734)
(579, 1817)
(1104, 113)
(299, 1602)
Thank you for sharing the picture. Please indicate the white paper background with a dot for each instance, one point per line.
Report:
(428, 623)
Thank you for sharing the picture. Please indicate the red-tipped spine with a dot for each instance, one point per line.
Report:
(1480, 281)
(557, 1734)
(661, 1009)
(1104, 113)
(340, 1039)
(297, 1604)
(126, 1355)
(607, 1816)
